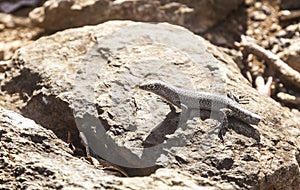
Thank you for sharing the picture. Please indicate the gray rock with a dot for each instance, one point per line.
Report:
(32, 157)
(85, 78)
(195, 15)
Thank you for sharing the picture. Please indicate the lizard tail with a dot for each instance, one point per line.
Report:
(251, 118)
(247, 116)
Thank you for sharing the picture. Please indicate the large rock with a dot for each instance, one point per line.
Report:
(196, 15)
(84, 79)
(32, 157)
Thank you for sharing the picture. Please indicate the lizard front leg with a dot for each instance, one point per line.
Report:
(223, 126)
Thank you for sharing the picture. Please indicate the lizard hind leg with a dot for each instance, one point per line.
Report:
(223, 126)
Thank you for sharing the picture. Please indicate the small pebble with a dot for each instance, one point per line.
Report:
(2, 76)
(240, 28)
(275, 49)
(2, 26)
(281, 33)
(257, 31)
(249, 32)
(255, 25)
(275, 27)
(249, 2)
(265, 44)
(258, 5)
(292, 28)
(258, 16)
(266, 10)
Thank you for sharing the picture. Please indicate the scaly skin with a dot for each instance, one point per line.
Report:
(189, 99)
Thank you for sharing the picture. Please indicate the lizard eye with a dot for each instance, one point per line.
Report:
(153, 86)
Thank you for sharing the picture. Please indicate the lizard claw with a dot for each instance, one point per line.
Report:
(241, 99)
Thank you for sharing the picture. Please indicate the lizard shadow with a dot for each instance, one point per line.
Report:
(174, 121)
(244, 129)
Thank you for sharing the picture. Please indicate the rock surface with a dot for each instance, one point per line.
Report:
(90, 73)
(195, 15)
(32, 157)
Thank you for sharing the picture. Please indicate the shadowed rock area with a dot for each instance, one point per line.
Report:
(84, 80)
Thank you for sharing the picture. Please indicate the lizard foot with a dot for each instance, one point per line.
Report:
(222, 132)
(241, 99)
(224, 112)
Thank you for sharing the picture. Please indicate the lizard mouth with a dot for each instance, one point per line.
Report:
(140, 87)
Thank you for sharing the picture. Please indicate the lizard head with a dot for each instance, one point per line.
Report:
(166, 91)
(152, 86)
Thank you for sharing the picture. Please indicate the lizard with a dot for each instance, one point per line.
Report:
(190, 99)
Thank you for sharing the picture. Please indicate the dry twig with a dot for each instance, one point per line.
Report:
(285, 71)
(289, 15)
(287, 98)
